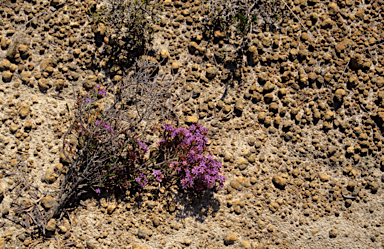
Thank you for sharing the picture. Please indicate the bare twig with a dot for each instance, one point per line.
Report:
(43, 13)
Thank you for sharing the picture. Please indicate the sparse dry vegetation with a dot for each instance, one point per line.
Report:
(291, 94)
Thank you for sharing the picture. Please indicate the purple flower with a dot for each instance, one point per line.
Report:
(138, 179)
(195, 167)
(142, 180)
(103, 92)
(222, 179)
(173, 164)
(87, 100)
(97, 122)
(158, 175)
(184, 183)
(107, 127)
(168, 127)
(80, 131)
(98, 190)
(143, 146)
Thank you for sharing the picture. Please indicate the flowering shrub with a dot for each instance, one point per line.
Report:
(182, 153)
(93, 129)
(103, 147)
(88, 126)
(191, 163)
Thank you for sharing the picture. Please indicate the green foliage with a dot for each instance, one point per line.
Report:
(242, 23)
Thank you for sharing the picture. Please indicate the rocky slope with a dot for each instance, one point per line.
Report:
(296, 120)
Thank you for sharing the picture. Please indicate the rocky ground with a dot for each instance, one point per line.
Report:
(297, 124)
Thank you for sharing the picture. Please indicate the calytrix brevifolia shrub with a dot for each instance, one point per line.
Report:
(181, 153)
(94, 130)
(190, 160)
(103, 145)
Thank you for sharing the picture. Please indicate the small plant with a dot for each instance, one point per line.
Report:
(92, 129)
(129, 27)
(182, 153)
(242, 14)
(104, 147)
(243, 23)
(189, 158)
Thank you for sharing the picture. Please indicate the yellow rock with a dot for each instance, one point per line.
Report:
(111, 208)
(175, 66)
(230, 239)
(7, 76)
(164, 54)
(192, 120)
(323, 177)
(2, 243)
(279, 181)
(24, 110)
(51, 226)
(168, 2)
(5, 64)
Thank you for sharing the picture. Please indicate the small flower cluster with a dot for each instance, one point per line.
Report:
(101, 91)
(88, 116)
(194, 166)
(119, 173)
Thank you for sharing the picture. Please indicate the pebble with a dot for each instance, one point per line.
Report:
(7, 76)
(111, 208)
(50, 176)
(92, 244)
(48, 202)
(44, 85)
(24, 110)
(13, 128)
(192, 119)
(239, 182)
(211, 72)
(296, 173)
(261, 224)
(279, 182)
(333, 233)
(242, 163)
(51, 225)
(230, 239)
(101, 29)
(155, 220)
(175, 66)
(314, 231)
(253, 180)
(246, 244)
(323, 177)
(63, 229)
(5, 65)
(253, 55)
(164, 54)
(143, 232)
